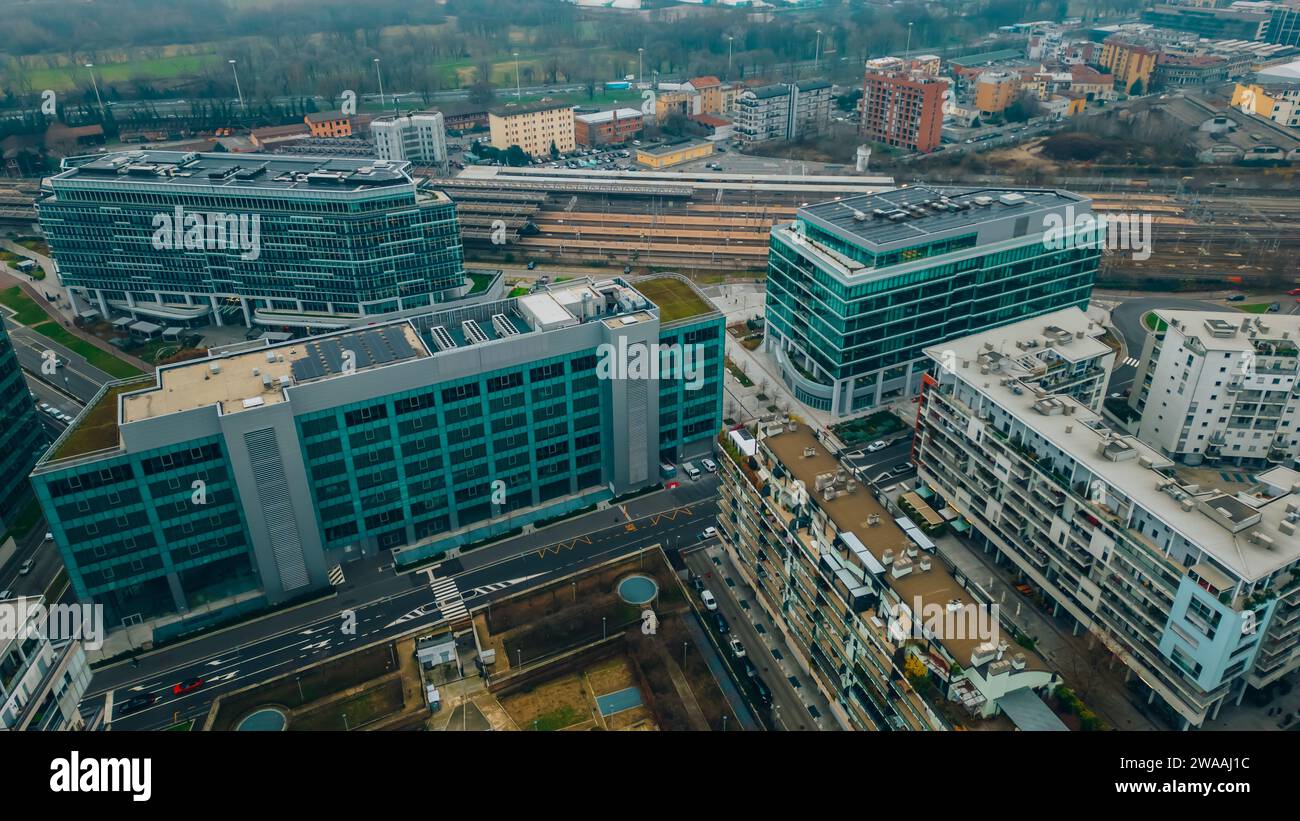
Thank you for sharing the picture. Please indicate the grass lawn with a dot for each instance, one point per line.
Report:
(66, 78)
(1256, 308)
(676, 299)
(861, 431)
(29, 311)
(481, 282)
(1149, 320)
(360, 709)
(745, 381)
(97, 429)
(519, 290)
(103, 360)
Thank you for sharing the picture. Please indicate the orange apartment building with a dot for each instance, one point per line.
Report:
(903, 109)
(607, 127)
(1129, 63)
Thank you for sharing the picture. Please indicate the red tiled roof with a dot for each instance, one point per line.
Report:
(707, 81)
(710, 120)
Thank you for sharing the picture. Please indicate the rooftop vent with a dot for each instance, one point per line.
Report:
(1012, 199)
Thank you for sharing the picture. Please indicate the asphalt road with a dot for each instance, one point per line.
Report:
(387, 604)
(1127, 317)
(77, 378)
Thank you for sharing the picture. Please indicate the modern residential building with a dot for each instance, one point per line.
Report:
(22, 436)
(666, 155)
(782, 111)
(616, 126)
(534, 127)
(43, 674)
(995, 91)
(1131, 64)
(858, 287)
(853, 588)
(1284, 24)
(1216, 387)
(232, 483)
(418, 138)
(1182, 71)
(902, 108)
(1187, 578)
(329, 124)
(189, 238)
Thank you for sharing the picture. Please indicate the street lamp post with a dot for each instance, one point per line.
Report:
(380, 77)
(518, 91)
(238, 90)
(640, 66)
(603, 634)
(345, 722)
(909, 39)
(91, 68)
(730, 43)
(301, 697)
(817, 54)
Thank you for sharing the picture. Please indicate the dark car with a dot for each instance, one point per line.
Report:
(189, 685)
(1237, 298)
(136, 703)
(763, 693)
(901, 467)
(721, 622)
(750, 670)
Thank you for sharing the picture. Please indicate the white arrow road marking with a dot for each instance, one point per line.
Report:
(320, 645)
(311, 630)
(223, 677)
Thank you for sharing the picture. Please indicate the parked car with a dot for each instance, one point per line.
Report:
(763, 693)
(698, 583)
(901, 468)
(750, 670)
(879, 444)
(709, 465)
(709, 533)
(721, 622)
(6, 594)
(710, 603)
(737, 649)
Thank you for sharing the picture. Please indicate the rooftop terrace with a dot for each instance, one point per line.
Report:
(272, 172)
(677, 299)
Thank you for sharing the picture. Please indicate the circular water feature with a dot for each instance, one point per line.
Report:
(638, 589)
(267, 719)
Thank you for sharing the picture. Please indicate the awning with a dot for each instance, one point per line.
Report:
(1028, 712)
(122, 321)
(174, 332)
(960, 525)
(143, 327)
(89, 315)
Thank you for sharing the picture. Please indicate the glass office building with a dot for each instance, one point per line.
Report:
(858, 287)
(22, 436)
(185, 238)
(239, 480)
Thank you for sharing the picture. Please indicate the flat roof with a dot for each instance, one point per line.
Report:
(272, 172)
(672, 147)
(514, 109)
(607, 116)
(1144, 475)
(973, 206)
(850, 512)
(676, 298)
(238, 383)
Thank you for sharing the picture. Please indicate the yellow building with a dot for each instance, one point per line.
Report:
(533, 127)
(995, 90)
(1130, 64)
(665, 155)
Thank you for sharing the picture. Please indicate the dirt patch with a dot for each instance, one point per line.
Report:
(554, 705)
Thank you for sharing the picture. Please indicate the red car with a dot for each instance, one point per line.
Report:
(189, 685)
(1294, 291)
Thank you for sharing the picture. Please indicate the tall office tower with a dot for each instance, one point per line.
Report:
(191, 238)
(416, 138)
(854, 589)
(1220, 387)
(237, 481)
(1189, 577)
(858, 287)
(22, 436)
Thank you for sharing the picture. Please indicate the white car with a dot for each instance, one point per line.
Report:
(709, 533)
(879, 444)
(710, 603)
(737, 649)
(26, 567)
(709, 465)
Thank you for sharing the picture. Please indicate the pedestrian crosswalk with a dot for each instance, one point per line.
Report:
(1131, 362)
(336, 575)
(448, 598)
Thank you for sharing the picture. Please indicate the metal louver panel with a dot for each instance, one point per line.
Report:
(273, 490)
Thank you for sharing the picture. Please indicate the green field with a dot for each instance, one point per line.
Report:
(66, 78)
(29, 312)
(101, 359)
(676, 299)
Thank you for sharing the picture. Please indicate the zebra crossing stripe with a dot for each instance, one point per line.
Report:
(336, 575)
(1131, 362)
(448, 598)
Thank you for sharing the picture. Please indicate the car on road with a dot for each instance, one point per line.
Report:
(763, 693)
(698, 584)
(189, 685)
(720, 621)
(750, 670)
(1294, 292)
(26, 567)
(709, 533)
(901, 468)
(135, 704)
(1237, 298)
(709, 465)
(737, 649)
(532, 263)
(879, 444)
(710, 603)
(6, 594)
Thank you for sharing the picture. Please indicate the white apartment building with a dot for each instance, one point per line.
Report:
(1221, 387)
(782, 111)
(43, 676)
(1190, 580)
(417, 138)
